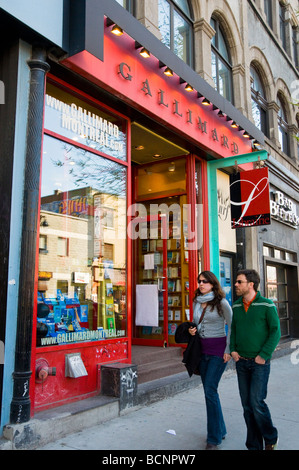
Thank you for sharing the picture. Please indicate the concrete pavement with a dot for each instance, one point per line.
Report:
(178, 423)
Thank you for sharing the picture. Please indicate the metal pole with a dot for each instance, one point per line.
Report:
(20, 405)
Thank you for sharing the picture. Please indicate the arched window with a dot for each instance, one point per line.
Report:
(283, 128)
(176, 28)
(258, 101)
(221, 62)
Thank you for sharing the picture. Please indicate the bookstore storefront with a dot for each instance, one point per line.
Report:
(123, 216)
(81, 318)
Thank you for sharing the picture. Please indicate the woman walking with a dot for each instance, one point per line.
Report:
(211, 312)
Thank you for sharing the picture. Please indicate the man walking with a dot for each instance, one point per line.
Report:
(255, 333)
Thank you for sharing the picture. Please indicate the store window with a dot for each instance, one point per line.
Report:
(82, 251)
(283, 127)
(277, 291)
(161, 179)
(221, 62)
(176, 29)
(258, 101)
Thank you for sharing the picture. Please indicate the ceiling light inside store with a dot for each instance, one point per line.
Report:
(171, 167)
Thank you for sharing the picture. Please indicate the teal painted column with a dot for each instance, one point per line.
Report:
(212, 167)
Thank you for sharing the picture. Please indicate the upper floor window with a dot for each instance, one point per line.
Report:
(127, 4)
(175, 25)
(295, 46)
(221, 63)
(283, 127)
(282, 25)
(258, 101)
(268, 12)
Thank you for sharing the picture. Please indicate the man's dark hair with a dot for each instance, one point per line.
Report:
(251, 276)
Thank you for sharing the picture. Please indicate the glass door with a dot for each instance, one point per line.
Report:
(150, 319)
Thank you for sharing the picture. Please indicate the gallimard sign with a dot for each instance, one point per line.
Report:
(284, 210)
(143, 85)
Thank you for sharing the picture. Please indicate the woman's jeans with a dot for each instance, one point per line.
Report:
(211, 370)
(253, 381)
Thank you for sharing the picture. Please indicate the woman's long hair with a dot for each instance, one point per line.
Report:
(217, 289)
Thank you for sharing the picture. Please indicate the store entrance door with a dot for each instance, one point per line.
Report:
(150, 295)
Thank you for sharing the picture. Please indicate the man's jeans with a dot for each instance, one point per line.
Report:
(253, 381)
(211, 370)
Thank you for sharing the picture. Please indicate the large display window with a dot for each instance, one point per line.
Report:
(82, 237)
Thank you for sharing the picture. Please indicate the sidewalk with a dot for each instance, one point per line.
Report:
(178, 423)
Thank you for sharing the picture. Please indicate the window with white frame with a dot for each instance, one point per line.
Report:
(283, 127)
(282, 25)
(258, 101)
(268, 12)
(221, 62)
(176, 28)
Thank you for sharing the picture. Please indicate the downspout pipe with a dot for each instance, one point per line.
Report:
(20, 405)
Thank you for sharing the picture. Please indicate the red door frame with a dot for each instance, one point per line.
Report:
(146, 341)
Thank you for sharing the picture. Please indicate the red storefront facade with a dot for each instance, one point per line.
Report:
(88, 262)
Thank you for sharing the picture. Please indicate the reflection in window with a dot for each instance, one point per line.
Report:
(258, 101)
(62, 246)
(96, 127)
(175, 27)
(221, 63)
(83, 199)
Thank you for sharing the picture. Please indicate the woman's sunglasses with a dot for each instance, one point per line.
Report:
(203, 281)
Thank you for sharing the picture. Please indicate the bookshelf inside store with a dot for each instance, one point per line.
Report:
(171, 273)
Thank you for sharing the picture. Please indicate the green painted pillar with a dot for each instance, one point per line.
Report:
(213, 166)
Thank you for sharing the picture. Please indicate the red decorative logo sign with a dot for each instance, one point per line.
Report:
(250, 198)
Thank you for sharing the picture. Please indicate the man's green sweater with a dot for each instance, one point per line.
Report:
(257, 331)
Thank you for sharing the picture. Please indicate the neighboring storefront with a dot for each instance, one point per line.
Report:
(278, 248)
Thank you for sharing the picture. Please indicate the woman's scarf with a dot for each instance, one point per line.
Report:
(201, 299)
